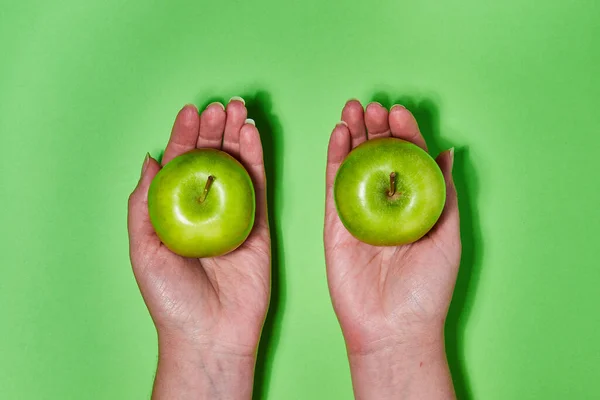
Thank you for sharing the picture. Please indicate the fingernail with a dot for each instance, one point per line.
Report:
(250, 121)
(397, 106)
(237, 98)
(217, 102)
(451, 150)
(145, 165)
(375, 102)
(342, 123)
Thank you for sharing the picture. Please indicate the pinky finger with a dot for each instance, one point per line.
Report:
(251, 155)
(449, 222)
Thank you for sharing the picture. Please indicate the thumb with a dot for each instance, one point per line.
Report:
(138, 222)
(449, 223)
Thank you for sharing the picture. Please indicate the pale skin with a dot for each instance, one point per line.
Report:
(208, 312)
(391, 302)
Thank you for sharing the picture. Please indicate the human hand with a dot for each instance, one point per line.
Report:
(208, 312)
(391, 302)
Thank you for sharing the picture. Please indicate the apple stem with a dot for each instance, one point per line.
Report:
(209, 182)
(392, 190)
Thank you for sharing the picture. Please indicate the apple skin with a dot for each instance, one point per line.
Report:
(362, 185)
(213, 227)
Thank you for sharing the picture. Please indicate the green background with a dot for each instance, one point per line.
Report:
(87, 87)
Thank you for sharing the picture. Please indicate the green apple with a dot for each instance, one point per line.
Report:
(389, 192)
(202, 204)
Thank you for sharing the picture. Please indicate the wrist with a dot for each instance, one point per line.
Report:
(169, 343)
(207, 355)
(203, 370)
(365, 339)
(398, 350)
(401, 367)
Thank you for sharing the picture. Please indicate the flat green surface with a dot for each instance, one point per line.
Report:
(87, 87)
